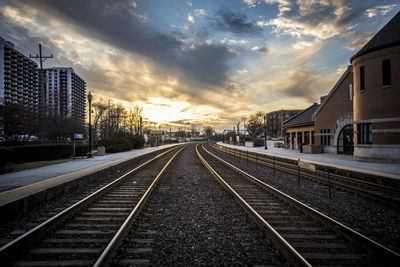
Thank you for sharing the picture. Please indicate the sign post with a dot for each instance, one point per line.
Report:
(77, 136)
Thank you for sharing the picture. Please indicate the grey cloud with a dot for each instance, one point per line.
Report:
(351, 15)
(207, 62)
(235, 22)
(113, 22)
(336, 14)
(304, 84)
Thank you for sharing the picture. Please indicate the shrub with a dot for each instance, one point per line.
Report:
(116, 144)
(29, 153)
(138, 141)
(81, 150)
(258, 142)
(5, 156)
(119, 144)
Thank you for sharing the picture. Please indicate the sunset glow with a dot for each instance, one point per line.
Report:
(199, 62)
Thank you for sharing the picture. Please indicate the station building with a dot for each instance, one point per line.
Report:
(300, 128)
(333, 120)
(360, 116)
(376, 69)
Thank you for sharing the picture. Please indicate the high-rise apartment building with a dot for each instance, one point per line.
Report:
(18, 78)
(64, 94)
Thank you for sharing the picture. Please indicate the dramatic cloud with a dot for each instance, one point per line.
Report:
(304, 84)
(118, 24)
(212, 62)
(319, 19)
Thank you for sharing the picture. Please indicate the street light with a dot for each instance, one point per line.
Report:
(265, 131)
(89, 97)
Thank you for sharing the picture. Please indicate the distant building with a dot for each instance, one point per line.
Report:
(333, 120)
(18, 78)
(300, 128)
(275, 120)
(376, 72)
(65, 94)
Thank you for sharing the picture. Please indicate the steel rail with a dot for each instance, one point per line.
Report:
(277, 239)
(109, 251)
(14, 245)
(320, 176)
(384, 254)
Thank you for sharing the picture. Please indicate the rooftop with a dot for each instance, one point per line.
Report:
(302, 117)
(388, 36)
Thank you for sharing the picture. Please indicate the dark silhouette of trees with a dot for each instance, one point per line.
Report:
(255, 125)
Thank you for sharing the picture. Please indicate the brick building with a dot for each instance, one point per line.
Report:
(376, 69)
(300, 128)
(333, 120)
(275, 120)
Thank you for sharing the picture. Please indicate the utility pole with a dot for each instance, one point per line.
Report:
(42, 80)
(265, 131)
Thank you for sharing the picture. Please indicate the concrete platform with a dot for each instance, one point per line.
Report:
(19, 185)
(390, 170)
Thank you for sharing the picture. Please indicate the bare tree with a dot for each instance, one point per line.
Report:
(255, 124)
(208, 131)
(18, 123)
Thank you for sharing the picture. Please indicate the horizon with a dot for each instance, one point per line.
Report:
(206, 63)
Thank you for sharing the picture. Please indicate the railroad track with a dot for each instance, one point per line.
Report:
(370, 187)
(178, 226)
(84, 233)
(306, 236)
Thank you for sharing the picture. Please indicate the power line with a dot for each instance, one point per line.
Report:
(26, 35)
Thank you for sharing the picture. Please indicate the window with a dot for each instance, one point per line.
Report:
(364, 131)
(362, 78)
(386, 73)
(312, 137)
(329, 136)
(325, 137)
(321, 138)
(306, 138)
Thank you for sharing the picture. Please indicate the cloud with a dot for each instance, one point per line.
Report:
(302, 44)
(317, 19)
(206, 63)
(199, 13)
(236, 23)
(358, 39)
(259, 49)
(190, 18)
(382, 10)
(302, 83)
(234, 42)
(116, 23)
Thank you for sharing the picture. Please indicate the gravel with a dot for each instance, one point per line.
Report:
(376, 220)
(194, 221)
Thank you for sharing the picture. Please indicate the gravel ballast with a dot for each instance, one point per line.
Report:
(373, 219)
(190, 219)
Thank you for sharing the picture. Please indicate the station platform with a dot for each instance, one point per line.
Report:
(20, 184)
(390, 170)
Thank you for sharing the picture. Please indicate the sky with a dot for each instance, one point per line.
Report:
(204, 62)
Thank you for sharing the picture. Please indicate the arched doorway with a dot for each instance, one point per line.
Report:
(345, 143)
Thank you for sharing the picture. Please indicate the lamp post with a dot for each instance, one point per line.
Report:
(89, 97)
(265, 131)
